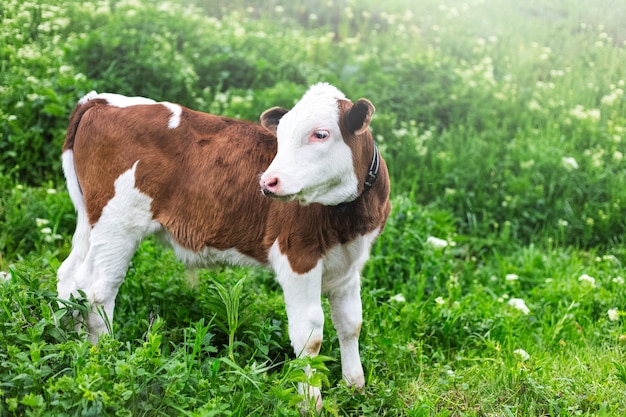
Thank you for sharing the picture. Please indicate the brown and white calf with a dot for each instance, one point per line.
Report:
(135, 167)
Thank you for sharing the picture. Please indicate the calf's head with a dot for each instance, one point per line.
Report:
(319, 141)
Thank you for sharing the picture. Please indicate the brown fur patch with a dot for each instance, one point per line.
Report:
(313, 347)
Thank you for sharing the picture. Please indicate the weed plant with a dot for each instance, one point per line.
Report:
(497, 287)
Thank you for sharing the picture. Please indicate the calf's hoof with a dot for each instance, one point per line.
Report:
(312, 403)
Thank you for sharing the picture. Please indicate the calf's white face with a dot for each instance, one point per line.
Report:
(313, 164)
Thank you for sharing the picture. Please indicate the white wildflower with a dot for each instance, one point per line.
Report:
(519, 304)
(586, 279)
(436, 243)
(52, 237)
(454, 281)
(4, 276)
(46, 231)
(51, 191)
(41, 222)
(511, 277)
(613, 314)
(557, 73)
(440, 301)
(619, 280)
(533, 105)
(499, 96)
(221, 98)
(398, 298)
(594, 114)
(609, 99)
(521, 354)
(569, 163)
(579, 112)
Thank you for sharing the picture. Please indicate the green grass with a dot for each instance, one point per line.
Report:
(445, 347)
(504, 127)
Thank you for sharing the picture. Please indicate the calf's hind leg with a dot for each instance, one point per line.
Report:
(125, 221)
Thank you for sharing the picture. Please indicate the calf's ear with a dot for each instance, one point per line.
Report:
(359, 116)
(271, 117)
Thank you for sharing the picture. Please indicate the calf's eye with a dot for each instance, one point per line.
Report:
(320, 135)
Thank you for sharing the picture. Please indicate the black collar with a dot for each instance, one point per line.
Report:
(372, 173)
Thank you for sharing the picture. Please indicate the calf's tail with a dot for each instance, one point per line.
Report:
(83, 105)
(73, 185)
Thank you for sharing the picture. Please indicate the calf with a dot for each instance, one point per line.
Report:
(135, 167)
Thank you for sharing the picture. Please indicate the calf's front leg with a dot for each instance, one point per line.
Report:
(347, 315)
(305, 316)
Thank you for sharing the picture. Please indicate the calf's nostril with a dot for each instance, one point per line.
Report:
(272, 184)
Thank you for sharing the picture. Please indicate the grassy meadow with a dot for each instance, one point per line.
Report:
(497, 287)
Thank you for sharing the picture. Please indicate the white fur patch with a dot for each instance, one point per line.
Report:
(343, 263)
(89, 96)
(322, 90)
(124, 222)
(118, 100)
(176, 110)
